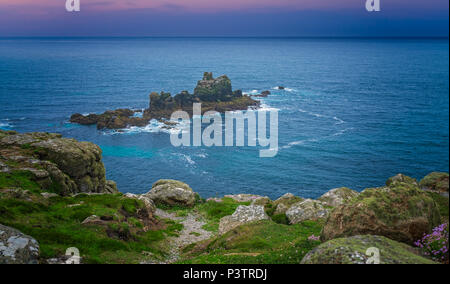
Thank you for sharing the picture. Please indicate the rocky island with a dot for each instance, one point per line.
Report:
(214, 94)
(54, 196)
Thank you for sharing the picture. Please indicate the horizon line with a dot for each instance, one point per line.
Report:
(224, 36)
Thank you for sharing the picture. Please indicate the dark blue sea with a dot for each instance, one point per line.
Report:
(354, 111)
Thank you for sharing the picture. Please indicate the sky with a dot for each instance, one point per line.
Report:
(224, 18)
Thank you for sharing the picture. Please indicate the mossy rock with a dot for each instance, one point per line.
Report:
(172, 193)
(402, 212)
(338, 196)
(354, 250)
(435, 181)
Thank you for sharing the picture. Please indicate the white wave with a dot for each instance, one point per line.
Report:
(153, 127)
(186, 158)
(312, 113)
(299, 142)
(343, 131)
(285, 89)
(4, 124)
(339, 121)
(252, 92)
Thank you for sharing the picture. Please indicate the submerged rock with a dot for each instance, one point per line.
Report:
(401, 211)
(172, 192)
(242, 215)
(352, 250)
(17, 248)
(307, 209)
(338, 196)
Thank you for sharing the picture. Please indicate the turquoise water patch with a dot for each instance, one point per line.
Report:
(121, 151)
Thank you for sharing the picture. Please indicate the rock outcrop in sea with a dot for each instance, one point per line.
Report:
(215, 94)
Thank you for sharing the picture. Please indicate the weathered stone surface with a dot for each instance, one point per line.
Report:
(338, 196)
(81, 161)
(149, 204)
(263, 201)
(61, 165)
(17, 248)
(352, 250)
(242, 215)
(111, 187)
(307, 209)
(435, 181)
(401, 211)
(285, 202)
(172, 192)
(243, 197)
(401, 178)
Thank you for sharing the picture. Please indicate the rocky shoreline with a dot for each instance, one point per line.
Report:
(215, 94)
(54, 195)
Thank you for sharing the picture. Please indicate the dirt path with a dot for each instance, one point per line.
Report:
(192, 232)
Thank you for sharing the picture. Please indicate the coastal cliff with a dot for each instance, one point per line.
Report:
(54, 196)
(213, 93)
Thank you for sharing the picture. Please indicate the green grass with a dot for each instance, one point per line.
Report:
(56, 225)
(212, 211)
(263, 242)
(443, 205)
(19, 179)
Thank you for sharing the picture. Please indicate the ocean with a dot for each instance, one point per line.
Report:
(354, 111)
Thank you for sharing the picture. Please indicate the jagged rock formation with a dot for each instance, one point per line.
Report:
(214, 94)
(117, 119)
(59, 165)
(17, 248)
(353, 250)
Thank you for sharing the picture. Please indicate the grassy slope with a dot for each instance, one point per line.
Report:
(56, 224)
(257, 243)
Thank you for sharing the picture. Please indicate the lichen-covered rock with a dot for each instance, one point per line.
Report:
(243, 197)
(352, 250)
(401, 178)
(149, 204)
(263, 201)
(435, 182)
(17, 248)
(172, 192)
(307, 209)
(210, 89)
(285, 202)
(65, 166)
(401, 212)
(338, 196)
(242, 215)
(111, 187)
